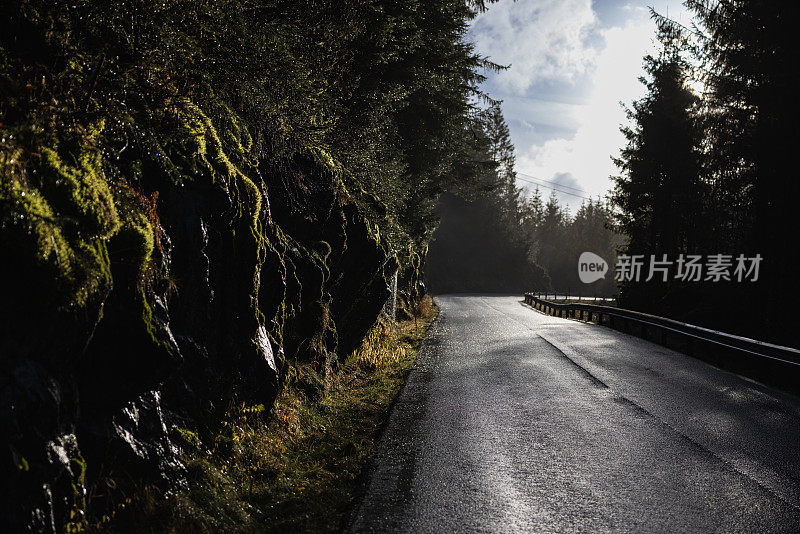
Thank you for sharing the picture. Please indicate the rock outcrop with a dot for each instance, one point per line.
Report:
(149, 286)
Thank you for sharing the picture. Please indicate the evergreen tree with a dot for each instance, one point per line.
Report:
(550, 237)
(660, 191)
(532, 210)
(746, 51)
(481, 244)
(591, 230)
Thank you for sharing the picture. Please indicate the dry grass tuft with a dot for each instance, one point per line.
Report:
(295, 469)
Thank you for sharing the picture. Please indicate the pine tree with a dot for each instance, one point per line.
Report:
(746, 49)
(660, 191)
(592, 231)
(743, 56)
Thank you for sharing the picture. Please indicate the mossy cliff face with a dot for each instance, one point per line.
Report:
(148, 287)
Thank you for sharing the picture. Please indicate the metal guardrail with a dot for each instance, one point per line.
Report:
(696, 336)
(562, 296)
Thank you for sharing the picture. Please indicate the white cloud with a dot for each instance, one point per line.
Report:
(587, 154)
(569, 73)
(543, 112)
(541, 39)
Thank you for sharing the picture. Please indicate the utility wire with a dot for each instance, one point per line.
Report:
(554, 189)
(554, 182)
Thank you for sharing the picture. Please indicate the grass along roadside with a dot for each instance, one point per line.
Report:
(296, 470)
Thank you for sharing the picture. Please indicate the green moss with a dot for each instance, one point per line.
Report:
(374, 233)
(211, 159)
(78, 190)
(77, 514)
(186, 439)
(219, 151)
(325, 160)
(92, 275)
(58, 231)
(139, 233)
(234, 135)
(135, 240)
(27, 212)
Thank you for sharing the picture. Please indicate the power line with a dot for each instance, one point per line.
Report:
(553, 182)
(554, 189)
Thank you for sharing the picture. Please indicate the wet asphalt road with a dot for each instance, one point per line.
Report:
(516, 421)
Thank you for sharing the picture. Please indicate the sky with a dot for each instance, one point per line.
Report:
(572, 64)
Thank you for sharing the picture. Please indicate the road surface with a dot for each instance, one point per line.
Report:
(514, 421)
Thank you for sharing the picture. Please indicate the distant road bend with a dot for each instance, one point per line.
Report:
(517, 421)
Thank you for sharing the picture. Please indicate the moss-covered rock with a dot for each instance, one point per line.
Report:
(56, 215)
(175, 277)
